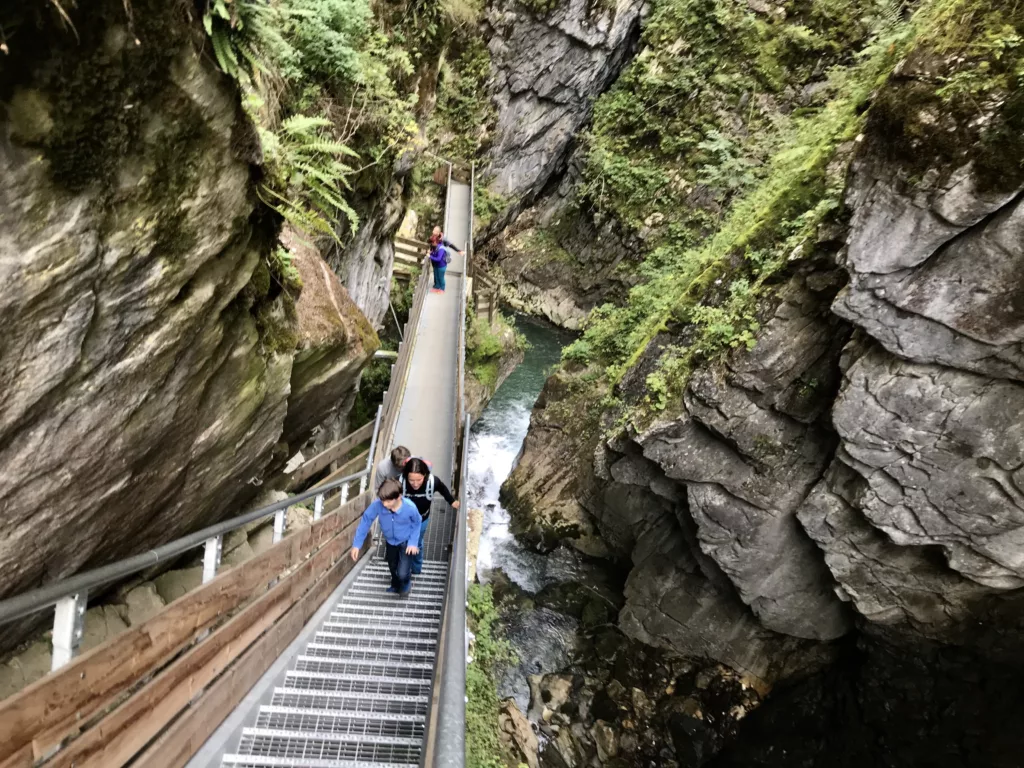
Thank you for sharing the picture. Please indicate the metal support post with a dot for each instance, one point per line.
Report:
(279, 521)
(211, 557)
(344, 493)
(318, 507)
(68, 627)
(401, 336)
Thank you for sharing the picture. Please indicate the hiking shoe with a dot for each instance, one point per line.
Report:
(436, 290)
(406, 593)
(392, 590)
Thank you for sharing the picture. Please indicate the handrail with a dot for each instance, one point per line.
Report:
(44, 597)
(450, 742)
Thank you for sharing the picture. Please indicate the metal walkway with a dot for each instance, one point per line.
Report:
(355, 689)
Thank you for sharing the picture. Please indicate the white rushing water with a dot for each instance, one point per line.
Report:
(495, 442)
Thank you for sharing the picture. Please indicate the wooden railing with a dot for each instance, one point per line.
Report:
(177, 675)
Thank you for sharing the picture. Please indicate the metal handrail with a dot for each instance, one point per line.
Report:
(45, 597)
(450, 743)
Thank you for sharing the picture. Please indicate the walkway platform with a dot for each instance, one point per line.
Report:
(354, 689)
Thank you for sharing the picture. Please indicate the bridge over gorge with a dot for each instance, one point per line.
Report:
(296, 657)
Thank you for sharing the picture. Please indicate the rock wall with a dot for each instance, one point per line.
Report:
(365, 263)
(547, 70)
(558, 263)
(859, 467)
(148, 364)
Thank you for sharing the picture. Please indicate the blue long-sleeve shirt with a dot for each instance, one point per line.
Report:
(398, 527)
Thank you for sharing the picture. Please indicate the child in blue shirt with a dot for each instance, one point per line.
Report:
(400, 523)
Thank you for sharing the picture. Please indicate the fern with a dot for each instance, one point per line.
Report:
(306, 178)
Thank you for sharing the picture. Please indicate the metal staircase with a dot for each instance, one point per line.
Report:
(359, 693)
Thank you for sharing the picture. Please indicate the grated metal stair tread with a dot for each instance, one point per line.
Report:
(358, 694)
(350, 702)
(254, 761)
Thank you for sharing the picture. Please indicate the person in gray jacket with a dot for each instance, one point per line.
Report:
(391, 466)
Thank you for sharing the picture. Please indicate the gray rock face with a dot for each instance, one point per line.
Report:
(748, 465)
(941, 452)
(670, 604)
(936, 279)
(889, 584)
(365, 264)
(547, 72)
(145, 366)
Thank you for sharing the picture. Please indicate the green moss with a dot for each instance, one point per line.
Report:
(959, 99)
(487, 206)
(486, 345)
(464, 112)
(483, 747)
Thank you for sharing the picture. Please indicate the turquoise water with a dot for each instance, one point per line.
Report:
(495, 442)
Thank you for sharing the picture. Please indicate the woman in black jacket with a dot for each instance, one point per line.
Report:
(419, 486)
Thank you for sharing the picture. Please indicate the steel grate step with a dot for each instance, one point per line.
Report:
(254, 761)
(390, 620)
(404, 670)
(350, 629)
(303, 745)
(341, 684)
(405, 608)
(335, 723)
(373, 643)
(415, 600)
(383, 656)
(369, 703)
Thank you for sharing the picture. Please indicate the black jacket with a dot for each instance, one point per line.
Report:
(419, 498)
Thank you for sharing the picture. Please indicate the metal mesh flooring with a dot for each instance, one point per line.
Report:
(358, 693)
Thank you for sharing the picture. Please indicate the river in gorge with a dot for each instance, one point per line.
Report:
(542, 638)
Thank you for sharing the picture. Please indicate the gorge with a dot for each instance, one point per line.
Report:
(774, 478)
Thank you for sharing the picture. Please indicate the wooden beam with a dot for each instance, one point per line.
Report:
(120, 735)
(411, 241)
(350, 468)
(187, 735)
(331, 454)
(46, 711)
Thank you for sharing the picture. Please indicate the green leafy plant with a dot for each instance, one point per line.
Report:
(483, 747)
(306, 176)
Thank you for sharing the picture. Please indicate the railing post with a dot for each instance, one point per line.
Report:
(279, 523)
(318, 507)
(68, 627)
(211, 557)
(344, 493)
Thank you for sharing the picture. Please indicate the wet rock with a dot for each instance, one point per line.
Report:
(606, 740)
(518, 734)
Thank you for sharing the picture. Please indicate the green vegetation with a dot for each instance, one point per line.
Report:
(487, 206)
(486, 344)
(483, 748)
(742, 189)
(463, 110)
(319, 80)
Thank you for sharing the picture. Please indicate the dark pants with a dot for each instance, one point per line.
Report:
(417, 560)
(439, 275)
(400, 565)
